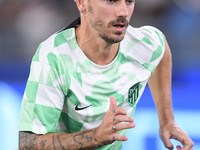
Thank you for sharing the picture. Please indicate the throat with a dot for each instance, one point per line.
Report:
(101, 57)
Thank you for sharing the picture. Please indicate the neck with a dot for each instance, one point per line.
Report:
(94, 47)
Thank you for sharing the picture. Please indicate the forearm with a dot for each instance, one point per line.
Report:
(56, 141)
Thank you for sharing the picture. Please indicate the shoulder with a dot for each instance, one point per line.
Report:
(148, 34)
(56, 44)
(144, 45)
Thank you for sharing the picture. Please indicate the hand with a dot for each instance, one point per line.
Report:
(115, 117)
(172, 131)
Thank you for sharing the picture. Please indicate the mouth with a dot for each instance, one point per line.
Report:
(120, 27)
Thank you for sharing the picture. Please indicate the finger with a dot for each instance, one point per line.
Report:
(187, 144)
(113, 103)
(185, 141)
(168, 144)
(120, 111)
(123, 126)
(178, 147)
(121, 118)
(117, 137)
(166, 140)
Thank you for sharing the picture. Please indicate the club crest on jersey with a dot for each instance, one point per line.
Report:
(133, 94)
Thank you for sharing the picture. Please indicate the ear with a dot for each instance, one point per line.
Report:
(81, 5)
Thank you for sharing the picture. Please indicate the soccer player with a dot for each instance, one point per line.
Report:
(86, 80)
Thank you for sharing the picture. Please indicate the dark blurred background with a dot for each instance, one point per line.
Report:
(26, 23)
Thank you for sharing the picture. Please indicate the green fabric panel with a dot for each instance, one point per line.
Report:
(59, 39)
(149, 67)
(72, 43)
(51, 77)
(156, 53)
(67, 33)
(85, 66)
(26, 116)
(48, 78)
(48, 116)
(130, 76)
(112, 74)
(31, 91)
(97, 106)
(64, 63)
(162, 40)
(32, 70)
(145, 30)
(93, 101)
(78, 77)
(36, 56)
(52, 59)
(73, 98)
(147, 41)
(102, 86)
(72, 125)
(131, 44)
(87, 117)
(122, 59)
(60, 63)
(70, 107)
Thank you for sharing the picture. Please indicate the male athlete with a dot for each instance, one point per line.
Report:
(86, 79)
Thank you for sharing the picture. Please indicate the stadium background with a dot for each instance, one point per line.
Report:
(25, 23)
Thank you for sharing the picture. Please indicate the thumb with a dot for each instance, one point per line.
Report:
(113, 103)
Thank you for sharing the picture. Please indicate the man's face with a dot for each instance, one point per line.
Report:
(109, 18)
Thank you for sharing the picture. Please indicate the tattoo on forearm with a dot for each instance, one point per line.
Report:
(43, 143)
(25, 139)
(60, 144)
(78, 138)
(81, 140)
(85, 137)
(89, 139)
(54, 143)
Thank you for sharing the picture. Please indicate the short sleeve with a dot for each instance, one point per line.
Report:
(154, 37)
(43, 98)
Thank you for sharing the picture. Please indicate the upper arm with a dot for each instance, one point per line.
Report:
(160, 81)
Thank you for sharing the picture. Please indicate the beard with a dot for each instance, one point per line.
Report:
(108, 36)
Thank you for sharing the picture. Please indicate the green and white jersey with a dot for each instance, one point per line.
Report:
(66, 92)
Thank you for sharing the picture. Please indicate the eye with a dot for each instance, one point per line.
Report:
(129, 2)
(111, 1)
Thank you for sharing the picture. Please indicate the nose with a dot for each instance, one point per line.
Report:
(122, 10)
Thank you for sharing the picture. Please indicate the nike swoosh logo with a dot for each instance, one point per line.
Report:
(77, 108)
